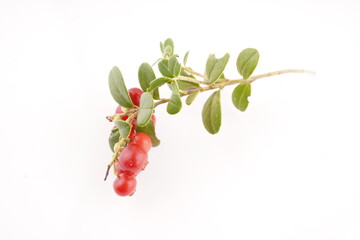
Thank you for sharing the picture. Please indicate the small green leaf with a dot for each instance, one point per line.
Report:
(211, 113)
(124, 128)
(247, 62)
(167, 51)
(174, 66)
(240, 95)
(162, 47)
(158, 82)
(210, 63)
(146, 75)
(191, 97)
(185, 85)
(218, 68)
(146, 109)
(215, 67)
(185, 74)
(169, 42)
(175, 87)
(149, 129)
(186, 58)
(114, 138)
(164, 68)
(175, 104)
(118, 89)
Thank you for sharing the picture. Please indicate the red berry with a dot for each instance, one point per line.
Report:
(135, 94)
(118, 168)
(133, 159)
(142, 140)
(125, 185)
(153, 119)
(120, 111)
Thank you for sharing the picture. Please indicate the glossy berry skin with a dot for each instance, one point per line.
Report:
(120, 111)
(125, 185)
(142, 140)
(135, 94)
(133, 159)
(118, 168)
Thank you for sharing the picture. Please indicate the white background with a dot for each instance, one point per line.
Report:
(287, 168)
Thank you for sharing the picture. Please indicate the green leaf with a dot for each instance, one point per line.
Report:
(118, 89)
(211, 113)
(174, 66)
(175, 104)
(146, 109)
(124, 128)
(215, 67)
(240, 95)
(191, 97)
(114, 138)
(162, 47)
(169, 42)
(210, 63)
(149, 129)
(167, 51)
(158, 82)
(186, 58)
(146, 75)
(218, 68)
(185, 74)
(185, 85)
(247, 62)
(175, 87)
(164, 68)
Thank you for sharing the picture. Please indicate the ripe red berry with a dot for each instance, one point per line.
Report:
(118, 168)
(135, 94)
(142, 140)
(133, 159)
(125, 185)
(120, 111)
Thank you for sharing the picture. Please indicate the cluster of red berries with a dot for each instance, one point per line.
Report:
(134, 157)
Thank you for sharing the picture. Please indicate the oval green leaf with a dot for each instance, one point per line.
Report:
(169, 43)
(174, 66)
(218, 68)
(158, 82)
(186, 58)
(146, 75)
(186, 85)
(124, 128)
(210, 63)
(118, 89)
(211, 113)
(114, 138)
(185, 74)
(247, 62)
(191, 97)
(240, 95)
(163, 66)
(175, 104)
(146, 109)
(149, 129)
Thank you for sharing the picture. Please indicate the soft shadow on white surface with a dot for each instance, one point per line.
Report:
(287, 168)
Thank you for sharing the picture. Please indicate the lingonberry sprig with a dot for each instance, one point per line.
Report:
(134, 132)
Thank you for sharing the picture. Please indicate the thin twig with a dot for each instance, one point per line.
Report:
(189, 70)
(227, 82)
